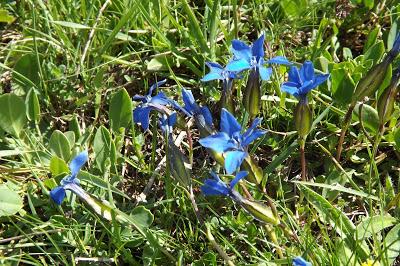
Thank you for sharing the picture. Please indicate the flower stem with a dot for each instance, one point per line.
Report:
(303, 160)
(345, 126)
(274, 240)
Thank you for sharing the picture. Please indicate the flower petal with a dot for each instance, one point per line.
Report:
(207, 115)
(319, 79)
(265, 72)
(229, 124)
(306, 88)
(156, 85)
(238, 177)
(233, 160)
(212, 76)
(58, 194)
(255, 134)
(139, 98)
(307, 71)
(294, 75)
(299, 261)
(77, 163)
(238, 65)
(241, 50)
(215, 187)
(219, 142)
(190, 103)
(280, 60)
(257, 48)
(289, 88)
(141, 116)
(160, 99)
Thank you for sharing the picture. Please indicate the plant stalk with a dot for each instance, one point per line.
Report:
(346, 123)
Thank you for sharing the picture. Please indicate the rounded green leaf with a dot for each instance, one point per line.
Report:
(12, 114)
(33, 107)
(104, 148)
(59, 145)
(120, 110)
(10, 201)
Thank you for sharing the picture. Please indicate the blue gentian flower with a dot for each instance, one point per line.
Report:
(159, 102)
(299, 261)
(193, 109)
(216, 187)
(303, 81)
(70, 182)
(217, 72)
(167, 122)
(231, 141)
(252, 57)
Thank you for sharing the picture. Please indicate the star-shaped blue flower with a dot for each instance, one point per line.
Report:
(70, 182)
(217, 72)
(216, 187)
(252, 57)
(299, 261)
(159, 102)
(193, 109)
(231, 141)
(303, 81)
(167, 122)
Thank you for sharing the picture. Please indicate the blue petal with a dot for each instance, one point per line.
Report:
(219, 142)
(207, 115)
(233, 160)
(396, 46)
(289, 88)
(294, 75)
(306, 88)
(139, 98)
(307, 71)
(280, 60)
(156, 85)
(167, 122)
(77, 163)
(229, 124)
(237, 178)
(141, 115)
(215, 67)
(299, 261)
(190, 103)
(254, 124)
(238, 65)
(241, 50)
(319, 79)
(160, 99)
(265, 72)
(212, 76)
(215, 187)
(58, 194)
(255, 134)
(257, 48)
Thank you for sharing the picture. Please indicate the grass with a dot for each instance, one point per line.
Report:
(73, 67)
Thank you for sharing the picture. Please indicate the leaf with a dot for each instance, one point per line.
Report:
(375, 52)
(6, 17)
(142, 217)
(72, 25)
(373, 225)
(120, 110)
(58, 166)
(12, 114)
(32, 106)
(6, 153)
(392, 34)
(10, 201)
(369, 116)
(160, 63)
(342, 86)
(392, 244)
(372, 37)
(59, 145)
(26, 72)
(396, 137)
(104, 149)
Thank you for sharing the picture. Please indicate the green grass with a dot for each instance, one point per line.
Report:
(73, 67)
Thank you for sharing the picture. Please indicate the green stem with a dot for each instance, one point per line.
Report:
(345, 126)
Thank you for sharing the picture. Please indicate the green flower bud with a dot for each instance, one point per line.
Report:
(303, 118)
(385, 103)
(252, 94)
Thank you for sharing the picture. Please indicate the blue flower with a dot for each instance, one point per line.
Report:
(216, 187)
(193, 109)
(218, 72)
(299, 261)
(231, 141)
(252, 57)
(303, 81)
(159, 102)
(167, 122)
(396, 47)
(70, 182)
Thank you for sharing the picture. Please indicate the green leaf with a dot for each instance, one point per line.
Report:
(375, 52)
(372, 37)
(120, 110)
(5, 16)
(6, 153)
(72, 25)
(392, 244)
(58, 166)
(10, 201)
(26, 72)
(342, 86)
(104, 149)
(59, 145)
(392, 34)
(142, 217)
(32, 106)
(396, 136)
(12, 114)
(369, 117)
(372, 225)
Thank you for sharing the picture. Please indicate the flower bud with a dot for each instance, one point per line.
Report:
(303, 118)
(252, 93)
(385, 103)
(255, 172)
(375, 76)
